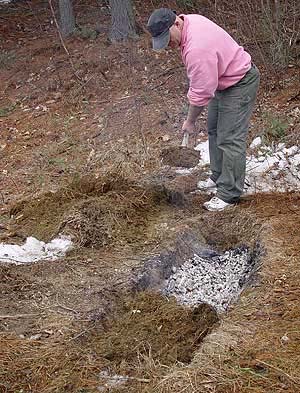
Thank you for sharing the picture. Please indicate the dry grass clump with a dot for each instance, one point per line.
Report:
(145, 330)
(96, 212)
(225, 365)
(46, 366)
(152, 324)
(98, 222)
(230, 229)
(41, 215)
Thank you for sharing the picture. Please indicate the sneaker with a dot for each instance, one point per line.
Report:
(206, 185)
(216, 204)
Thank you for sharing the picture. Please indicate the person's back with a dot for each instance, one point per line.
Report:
(213, 59)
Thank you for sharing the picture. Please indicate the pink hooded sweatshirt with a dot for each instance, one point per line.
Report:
(213, 60)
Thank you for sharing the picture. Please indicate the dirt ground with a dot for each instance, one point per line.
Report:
(82, 139)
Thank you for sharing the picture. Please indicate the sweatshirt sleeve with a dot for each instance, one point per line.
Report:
(202, 72)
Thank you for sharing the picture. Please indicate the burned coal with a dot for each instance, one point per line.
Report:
(215, 279)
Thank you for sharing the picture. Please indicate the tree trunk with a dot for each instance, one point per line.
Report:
(122, 20)
(67, 19)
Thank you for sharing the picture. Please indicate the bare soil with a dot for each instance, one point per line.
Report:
(180, 156)
(83, 142)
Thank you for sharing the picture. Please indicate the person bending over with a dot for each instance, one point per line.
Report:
(221, 76)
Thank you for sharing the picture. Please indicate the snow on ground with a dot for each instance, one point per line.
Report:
(275, 168)
(34, 250)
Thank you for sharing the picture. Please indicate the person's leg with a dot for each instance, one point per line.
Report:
(235, 108)
(215, 155)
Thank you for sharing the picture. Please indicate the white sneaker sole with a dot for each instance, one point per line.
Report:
(217, 209)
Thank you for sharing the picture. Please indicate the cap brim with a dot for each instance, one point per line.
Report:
(162, 41)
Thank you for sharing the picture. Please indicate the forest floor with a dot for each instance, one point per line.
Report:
(81, 136)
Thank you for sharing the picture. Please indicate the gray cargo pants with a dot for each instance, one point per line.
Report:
(228, 121)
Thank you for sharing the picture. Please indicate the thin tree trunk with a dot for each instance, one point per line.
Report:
(67, 19)
(122, 20)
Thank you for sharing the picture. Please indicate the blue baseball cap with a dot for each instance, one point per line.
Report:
(159, 24)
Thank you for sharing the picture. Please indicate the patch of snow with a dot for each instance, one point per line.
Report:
(274, 170)
(256, 142)
(111, 381)
(184, 171)
(271, 169)
(34, 250)
(204, 152)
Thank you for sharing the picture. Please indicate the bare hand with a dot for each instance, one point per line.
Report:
(189, 127)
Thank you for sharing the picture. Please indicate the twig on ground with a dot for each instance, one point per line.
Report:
(140, 125)
(295, 381)
(58, 304)
(17, 316)
(169, 70)
(66, 308)
(81, 333)
(15, 184)
(2, 197)
(162, 82)
(143, 380)
(82, 86)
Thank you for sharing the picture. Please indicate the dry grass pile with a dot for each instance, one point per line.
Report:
(112, 218)
(46, 366)
(223, 366)
(150, 325)
(96, 212)
(143, 330)
(230, 229)
(42, 214)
